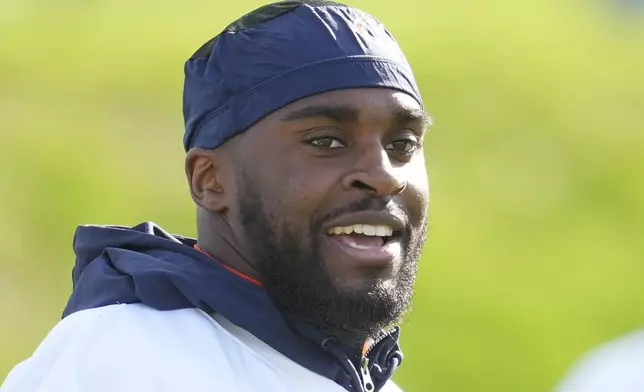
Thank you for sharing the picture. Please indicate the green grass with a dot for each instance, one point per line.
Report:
(535, 251)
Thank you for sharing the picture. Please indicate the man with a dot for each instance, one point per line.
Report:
(304, 133)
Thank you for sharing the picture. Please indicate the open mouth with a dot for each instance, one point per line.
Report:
(363, 236)
(367, 243)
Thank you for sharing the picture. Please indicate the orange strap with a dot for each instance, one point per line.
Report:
(234, 271)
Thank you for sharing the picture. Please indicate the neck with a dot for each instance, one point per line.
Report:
(215, 238)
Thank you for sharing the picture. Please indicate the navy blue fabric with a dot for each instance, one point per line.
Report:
(310, 50)
(146, 264)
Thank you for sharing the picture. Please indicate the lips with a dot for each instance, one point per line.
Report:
(366, 251)
(395, 222)
(360, 241)
(367, 238)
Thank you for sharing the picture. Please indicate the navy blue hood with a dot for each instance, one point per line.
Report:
(145, 264)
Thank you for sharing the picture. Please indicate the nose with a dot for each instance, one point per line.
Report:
(374, 173)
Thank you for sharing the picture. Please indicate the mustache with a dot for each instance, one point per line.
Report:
(387, 205)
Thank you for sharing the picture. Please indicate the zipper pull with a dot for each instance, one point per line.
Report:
(367, 383)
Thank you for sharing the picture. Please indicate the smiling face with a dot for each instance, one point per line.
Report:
(331, 205)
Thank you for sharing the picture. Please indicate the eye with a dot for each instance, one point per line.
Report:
(403, 146)
(326, 142)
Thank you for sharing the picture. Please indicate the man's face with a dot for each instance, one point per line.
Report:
(332, 205)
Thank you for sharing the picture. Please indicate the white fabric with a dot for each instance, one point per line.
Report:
(617, 366)
(134, 348)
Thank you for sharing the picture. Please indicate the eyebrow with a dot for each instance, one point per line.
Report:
(404, 115)
(338, 113)
(348, 113)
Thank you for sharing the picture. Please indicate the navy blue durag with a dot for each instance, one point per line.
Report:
(279, 54)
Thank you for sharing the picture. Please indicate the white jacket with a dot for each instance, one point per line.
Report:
(134, 348)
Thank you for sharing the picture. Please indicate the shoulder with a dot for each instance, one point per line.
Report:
(119, 329)
(114, 345)
(134, 348)
(613, 366)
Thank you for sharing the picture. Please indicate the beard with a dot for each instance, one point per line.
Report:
(293, 271)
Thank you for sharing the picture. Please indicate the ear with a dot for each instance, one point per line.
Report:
(206, 178)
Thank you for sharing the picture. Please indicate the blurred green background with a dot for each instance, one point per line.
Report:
(536, 160)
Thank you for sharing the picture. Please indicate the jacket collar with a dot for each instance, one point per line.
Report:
(146, 264)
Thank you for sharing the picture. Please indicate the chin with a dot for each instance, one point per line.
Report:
(365, 282)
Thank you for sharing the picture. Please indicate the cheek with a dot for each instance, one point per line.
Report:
(293, 192)
(418, 190)
(306, 193)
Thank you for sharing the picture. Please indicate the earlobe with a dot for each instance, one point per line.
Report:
(204, 173)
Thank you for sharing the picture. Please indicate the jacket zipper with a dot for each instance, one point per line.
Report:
(367, 383)
(375, 342)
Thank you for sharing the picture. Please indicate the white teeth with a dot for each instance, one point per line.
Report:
(370, 230)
